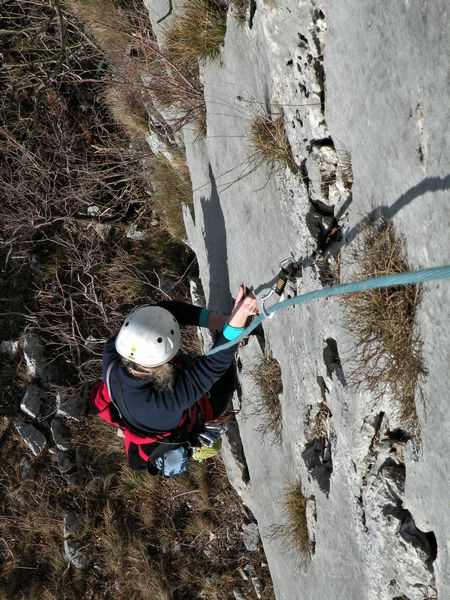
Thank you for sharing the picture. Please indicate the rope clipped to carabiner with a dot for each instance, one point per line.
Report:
(396, 279)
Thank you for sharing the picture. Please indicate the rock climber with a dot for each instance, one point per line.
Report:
(155, 394)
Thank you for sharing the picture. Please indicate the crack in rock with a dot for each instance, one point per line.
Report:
(317, 454)
(397, 550)
(253, 8)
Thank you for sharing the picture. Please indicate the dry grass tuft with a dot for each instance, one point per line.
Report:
(267, 375)
(108, 23)
(298, 525)
(127, 109)
(197, 32)
(387, 350)
(294, 533)
(173, 188)
(238, 9)
(269, 140)
(345, 168)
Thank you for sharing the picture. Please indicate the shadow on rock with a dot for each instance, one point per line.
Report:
(216, 247)
(317, 457)
(332, 361)
(429, 184)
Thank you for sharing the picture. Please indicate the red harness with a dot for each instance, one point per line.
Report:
(105, 409)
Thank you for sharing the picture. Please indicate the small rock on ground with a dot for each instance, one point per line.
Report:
(64, 463)
(72, 408)
(74, 554)
(33, 438)
(33, 353)
(258, 585)
(60, 435)
(250, 536)
(33, 401)
(26, 468)
(9, 347)
(72, 524)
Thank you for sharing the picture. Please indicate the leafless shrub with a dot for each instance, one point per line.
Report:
(387, 350)
(142, 74)
(69, 178)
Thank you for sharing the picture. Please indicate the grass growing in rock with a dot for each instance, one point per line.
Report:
(267, 375)
(268, 139)
(294, 533)
(387, 347)
(196, 32)
(344, 167)
(238, 9)
(297, 523)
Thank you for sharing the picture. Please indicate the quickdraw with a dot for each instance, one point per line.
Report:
(289, 268)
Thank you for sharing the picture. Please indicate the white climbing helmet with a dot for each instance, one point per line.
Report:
(150, 336)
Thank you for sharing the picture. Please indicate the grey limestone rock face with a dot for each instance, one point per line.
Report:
(197, 293)
(60, 435)
(198, 298)
(33, 401)
(234, 459)
(33, 438)
(404, 554)
(360, 84)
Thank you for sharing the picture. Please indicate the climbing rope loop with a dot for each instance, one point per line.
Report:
(396, 279)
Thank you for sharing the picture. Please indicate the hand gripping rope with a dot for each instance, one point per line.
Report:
(410, 277)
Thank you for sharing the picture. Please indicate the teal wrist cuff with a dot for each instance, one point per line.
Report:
(231, 333)
(203, 321)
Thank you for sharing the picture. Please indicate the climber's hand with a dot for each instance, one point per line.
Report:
(245, 306)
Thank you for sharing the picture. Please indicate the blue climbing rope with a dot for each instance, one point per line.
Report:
(396, 279)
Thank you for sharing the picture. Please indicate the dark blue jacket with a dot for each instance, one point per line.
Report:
(163, 410)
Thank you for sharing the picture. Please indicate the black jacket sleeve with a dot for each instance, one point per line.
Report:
(184, 313)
